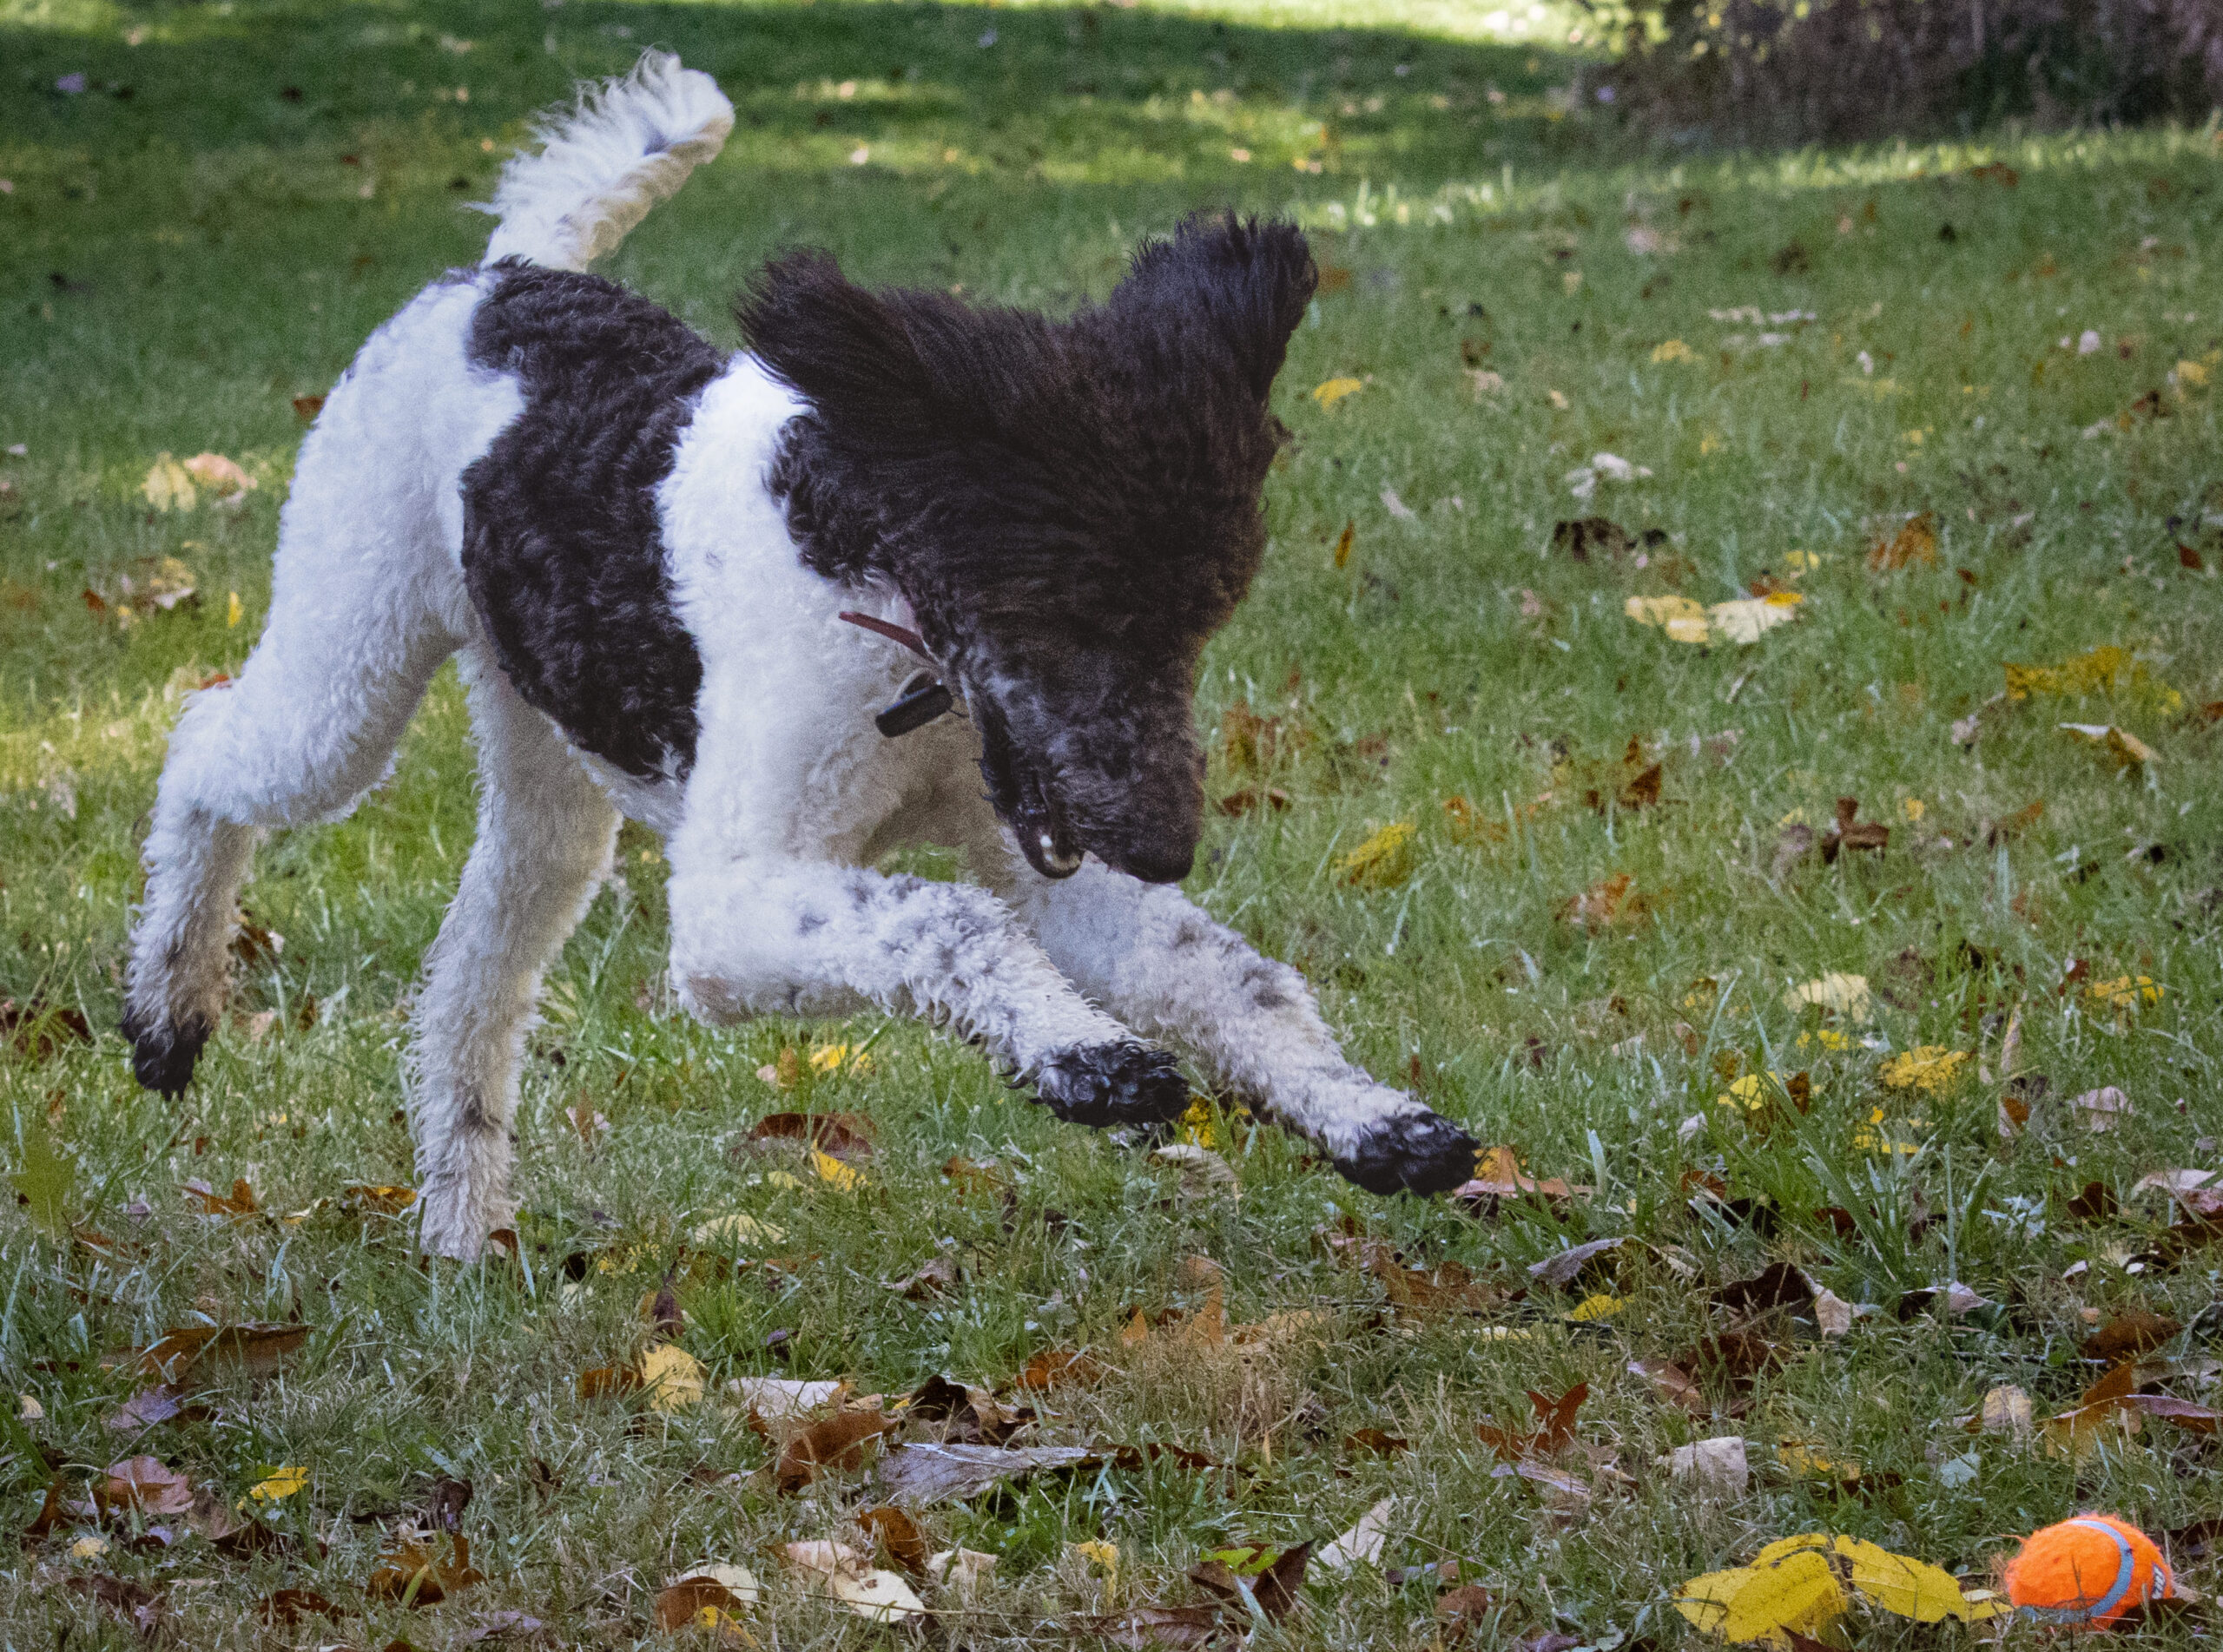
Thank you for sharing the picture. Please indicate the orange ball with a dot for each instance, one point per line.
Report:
(2087, 1571)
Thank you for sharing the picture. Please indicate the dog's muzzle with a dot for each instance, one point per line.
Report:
(1023, 797)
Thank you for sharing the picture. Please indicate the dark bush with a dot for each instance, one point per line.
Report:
(1760, 71)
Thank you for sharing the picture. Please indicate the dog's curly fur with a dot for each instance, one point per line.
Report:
(642, 551)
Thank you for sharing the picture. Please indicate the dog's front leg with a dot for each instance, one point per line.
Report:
(1147, 953)
(759, 936)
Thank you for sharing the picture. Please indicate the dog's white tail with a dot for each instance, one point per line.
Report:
(626, 144)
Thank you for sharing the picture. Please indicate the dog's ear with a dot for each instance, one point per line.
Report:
(847, 351)
(1249, 280)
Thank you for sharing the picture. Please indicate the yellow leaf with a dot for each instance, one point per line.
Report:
(279, 1482)
(234, 611)
(1104, 1556)
(1384, 862)
(1197, 1124)
(1673, 350)
(168, 487)
(1796, 1594)
(1592, 1308)
(835, 1174)
(1335, 390)
(1932, 1068)
(220, 476)
(828, 1058)
(2191, 375)
(672, 1377)
(1913, 808)
(1683, 620)
(1902, 1585)
(738, 1230)
(1837, 992)
(2124, 992)
(1744, 620)
(2125, 748)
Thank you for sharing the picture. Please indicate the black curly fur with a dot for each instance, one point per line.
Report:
(162, 1056)
(1421, 1153)
(562, 549)
(1070, 507)
(1124, 1083)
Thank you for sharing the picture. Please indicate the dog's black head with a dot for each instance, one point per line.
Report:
(1071, 508)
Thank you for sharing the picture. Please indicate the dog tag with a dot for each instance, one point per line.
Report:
(922, 701)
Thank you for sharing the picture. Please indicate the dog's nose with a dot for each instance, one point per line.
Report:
(1156, 865)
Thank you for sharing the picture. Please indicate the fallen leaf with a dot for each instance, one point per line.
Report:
(1673, 1384)
(970, 1416)
(279, 1483)
(2130, 1333)
(1465, 1608)
(1363, 1544)
(963, 1569)
(144, 1483)
(1343, 556)
(2119, 745)
(1555, 1429)
(2006, 1410)
(1151, 1627)
(2099, 1110)
(1377, 1441)
(937, 1276)
(1835, 993)
(287, 1607)
(241, 1201)
(702, 1595)
(412, 1574)
(1747, 619)
(1053, 1368)
(1609, 903)
(672, 1377)
(1203, 1173)
(923, 1472)
(1914, 544)
(1384, 862)
(191, 1356)
(1335, 390)
(838, 1572)
(1929, 1068)
(1716, 1465)
(843, 1442)
(846, 1136)
(899, 1534)
(220, 476)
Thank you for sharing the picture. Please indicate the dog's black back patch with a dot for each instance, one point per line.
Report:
(562, 549)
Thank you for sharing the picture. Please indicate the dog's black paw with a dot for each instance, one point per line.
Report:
(162, 1054)
(1414, 1153)
(1125, 1082)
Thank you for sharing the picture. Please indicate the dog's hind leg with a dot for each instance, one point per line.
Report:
(1147, 953)
(310, 725)
(545, 831)
(365, 605)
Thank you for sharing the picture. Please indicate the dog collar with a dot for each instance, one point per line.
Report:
(924, 698)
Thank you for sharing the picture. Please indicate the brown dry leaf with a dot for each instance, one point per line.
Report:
(1059, 1367)
(1499, 1174)
(1781, 1286)
(1607, 903)
(1673, 1384)
(191, 1355)
(899, 1534)
(2096, 1203)
(1603, 1257)
(142, 1483)
(2131, 1333)
(1556, 1420)
(1848, 832)
(1466, 1609)
(1915, 544)
(588, 1124)
(412, 1574)
(2100, 1110)
(846, 1136)
(1250, 800)
(1343, 543)
(981, 1175)
(843, 1442)
(1468, 824)
(1449, 1288)
(1375, 1440)
(285, 1607)
(940, 1275)
(137, 1604)
(707, 1598)
(241, 1201)
(971, 1415)
(1150, 1626)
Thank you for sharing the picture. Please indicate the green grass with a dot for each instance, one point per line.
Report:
(177, 266)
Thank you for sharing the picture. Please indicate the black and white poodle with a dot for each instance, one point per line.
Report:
(731, 597)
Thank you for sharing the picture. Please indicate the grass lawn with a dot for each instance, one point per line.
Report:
(1561, 871)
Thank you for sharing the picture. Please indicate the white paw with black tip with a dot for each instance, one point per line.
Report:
(1416, 1152)
(1125, 1082)
(162, 1054)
